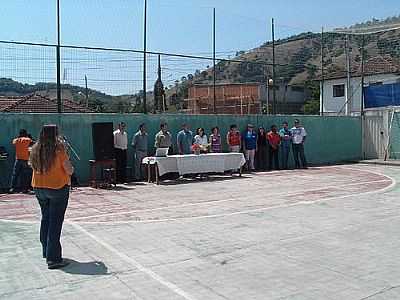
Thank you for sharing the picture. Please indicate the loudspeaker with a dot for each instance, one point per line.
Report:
(103, 140)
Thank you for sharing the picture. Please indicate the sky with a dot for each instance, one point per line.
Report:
(176, 26)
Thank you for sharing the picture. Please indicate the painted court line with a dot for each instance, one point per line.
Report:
(221, 201)
(256, 210)
(174, 288)
(393, 183)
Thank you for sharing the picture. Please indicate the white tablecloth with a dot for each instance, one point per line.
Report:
(195, 164)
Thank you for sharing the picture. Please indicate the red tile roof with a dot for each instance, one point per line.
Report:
(35, 103)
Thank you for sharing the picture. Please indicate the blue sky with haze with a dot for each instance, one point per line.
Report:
(174, 26)
(178, 25)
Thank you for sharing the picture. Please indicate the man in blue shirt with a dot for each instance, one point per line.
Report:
(250, 146)
(184, 140)
(286, 138)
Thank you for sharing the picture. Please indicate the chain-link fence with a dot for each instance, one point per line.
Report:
(292, 73)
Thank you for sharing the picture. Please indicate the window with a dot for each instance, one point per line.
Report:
(338, 90)
(376, 83)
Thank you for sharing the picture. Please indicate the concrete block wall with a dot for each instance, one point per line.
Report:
(330, 139)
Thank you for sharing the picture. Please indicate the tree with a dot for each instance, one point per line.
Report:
(311, 107)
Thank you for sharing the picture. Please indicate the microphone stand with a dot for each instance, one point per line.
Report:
(71, 148)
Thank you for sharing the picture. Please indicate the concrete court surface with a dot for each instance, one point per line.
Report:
(322, 233)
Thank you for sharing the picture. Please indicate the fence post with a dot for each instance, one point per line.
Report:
(214, 71)
(321, 109)
(274, 106)
(144, 57)
(59, 106)
(348, 67)
(362, 74)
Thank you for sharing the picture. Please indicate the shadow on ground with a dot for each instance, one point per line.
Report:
(86, 268)
(196, 179)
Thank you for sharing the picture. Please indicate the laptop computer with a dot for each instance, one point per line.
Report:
(162, 152)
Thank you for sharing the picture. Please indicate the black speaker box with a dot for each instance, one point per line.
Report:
(103, 140)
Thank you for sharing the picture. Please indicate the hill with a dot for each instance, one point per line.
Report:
(298, 58)
(98, 101)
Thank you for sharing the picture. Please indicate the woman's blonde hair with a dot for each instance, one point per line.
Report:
(44, 151)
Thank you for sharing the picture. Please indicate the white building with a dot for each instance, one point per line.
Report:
(340, 98)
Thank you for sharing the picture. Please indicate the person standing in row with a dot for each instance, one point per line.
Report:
(262, 150)
(286, 141)
(250, 146)
(163, 138)
(299, 135)
(19, 177)
(233, 139)
(274, 140)
(51, 180)
(139, 143)
(184, 140)
(121, 146)
(215, 141)
(201, 140)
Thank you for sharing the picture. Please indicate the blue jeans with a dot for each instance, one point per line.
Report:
(19, 177)
(298, 150)
(285, 156)
(53, 204)
(139, 168)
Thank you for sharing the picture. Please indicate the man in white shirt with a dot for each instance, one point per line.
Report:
(299, 135)
(121, 146)
(139, 143)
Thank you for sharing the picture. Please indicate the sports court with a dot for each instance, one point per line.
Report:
(322, 233)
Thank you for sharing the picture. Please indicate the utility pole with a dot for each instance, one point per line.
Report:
(144, 57)
(214, 71)
(274, 109)
(86, 92)
(59, 104)
(321, 109)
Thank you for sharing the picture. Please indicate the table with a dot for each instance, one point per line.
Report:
(195, 164)
(107, 163)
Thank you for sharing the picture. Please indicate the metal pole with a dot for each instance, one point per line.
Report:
(348, 90)
(59, 105)
(362, 98)
(274, 110)
(362, 75)
(86, 92)
(267, 96)
(321, 109)
(144, 57)
(214, 71)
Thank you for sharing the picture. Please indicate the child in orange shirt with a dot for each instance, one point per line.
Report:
(19, 178)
